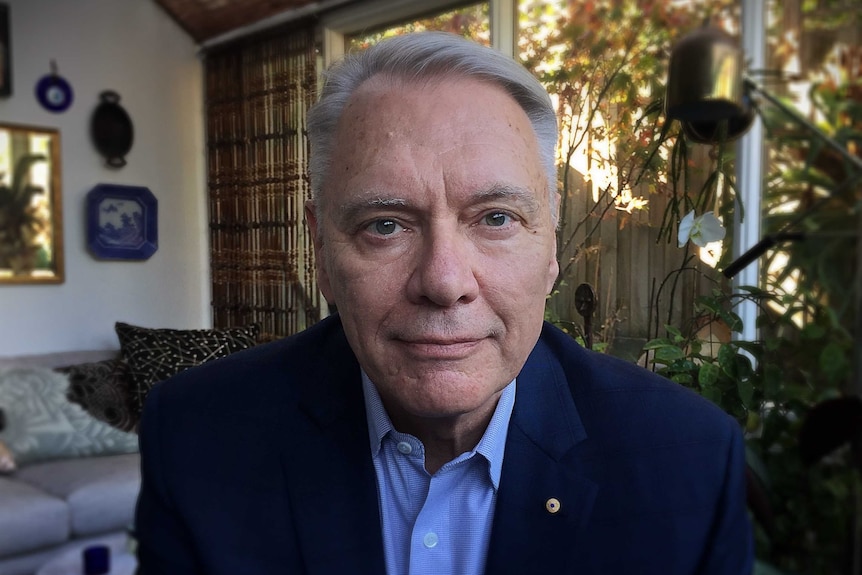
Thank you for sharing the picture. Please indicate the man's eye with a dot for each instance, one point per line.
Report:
(497, 219)
(384, 227)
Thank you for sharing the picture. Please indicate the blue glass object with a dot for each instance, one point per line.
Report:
(97, 560)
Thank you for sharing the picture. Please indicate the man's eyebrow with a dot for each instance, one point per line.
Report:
(355, 206)
(523, 196)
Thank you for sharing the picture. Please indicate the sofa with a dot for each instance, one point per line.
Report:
(60, 497)
(72, 470)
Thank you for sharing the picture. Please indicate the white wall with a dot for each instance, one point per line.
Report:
(132, 47)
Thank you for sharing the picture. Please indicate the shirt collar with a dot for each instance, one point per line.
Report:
(379, 423)
(492, 445)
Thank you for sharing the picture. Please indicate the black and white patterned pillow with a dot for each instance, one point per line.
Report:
(105, 390)
(154, 355)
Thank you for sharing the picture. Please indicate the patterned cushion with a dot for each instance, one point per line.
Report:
(154, 355)
(42, 424)
(105, 390)
(7, 460)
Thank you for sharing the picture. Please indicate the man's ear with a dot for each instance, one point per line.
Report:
(558, 199)
(319, 252)
(554, 264)
(311, 220)
(553, 268)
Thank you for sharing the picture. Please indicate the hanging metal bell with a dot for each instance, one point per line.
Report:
(705, 87)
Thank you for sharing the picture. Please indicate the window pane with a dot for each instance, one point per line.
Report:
(470, 21)
(604, 62)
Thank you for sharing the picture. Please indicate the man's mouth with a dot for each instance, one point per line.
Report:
(441, 348)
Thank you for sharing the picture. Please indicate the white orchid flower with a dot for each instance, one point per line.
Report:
(701, 230)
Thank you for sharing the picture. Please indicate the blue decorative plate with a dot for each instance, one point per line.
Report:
(122, 222)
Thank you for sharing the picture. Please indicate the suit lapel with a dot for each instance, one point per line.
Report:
(333, 490)
(329, 472)
(546, 436)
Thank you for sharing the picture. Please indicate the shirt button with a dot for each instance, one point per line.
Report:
(430, 540)
(405, 447)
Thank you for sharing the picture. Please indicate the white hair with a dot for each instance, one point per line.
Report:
(427, 56)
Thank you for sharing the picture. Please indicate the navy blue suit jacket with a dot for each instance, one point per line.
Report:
(260, 463)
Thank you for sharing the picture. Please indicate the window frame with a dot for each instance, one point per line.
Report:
(339, 24)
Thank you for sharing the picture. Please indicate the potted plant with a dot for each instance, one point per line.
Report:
(21, 221)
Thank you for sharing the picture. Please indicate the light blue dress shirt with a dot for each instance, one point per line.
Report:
(435, 524)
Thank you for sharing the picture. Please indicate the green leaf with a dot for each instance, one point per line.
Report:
(708, 374)
(704, 303)
(686, 365)
(727, 358)
(668, 354)
(673, 330)
(753, 290)
(657, 343)
(682, 378)
(733, 321)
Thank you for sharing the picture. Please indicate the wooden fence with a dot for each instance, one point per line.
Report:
(632, 272)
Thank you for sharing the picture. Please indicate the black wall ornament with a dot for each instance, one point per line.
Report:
(111, 129)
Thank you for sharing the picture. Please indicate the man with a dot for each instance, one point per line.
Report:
(435, 425)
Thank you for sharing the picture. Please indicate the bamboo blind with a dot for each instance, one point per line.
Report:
(257, 95)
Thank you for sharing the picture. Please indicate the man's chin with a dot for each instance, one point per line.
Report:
(442, 392)
(436, 411)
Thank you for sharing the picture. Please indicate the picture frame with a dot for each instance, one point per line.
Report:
(122, 222)
(5, 52)
(31, 205)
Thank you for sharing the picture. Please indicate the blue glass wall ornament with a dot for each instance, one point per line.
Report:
(53, 92)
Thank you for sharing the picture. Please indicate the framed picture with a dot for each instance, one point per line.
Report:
(122, 222)
(5, 53)
(31, 205)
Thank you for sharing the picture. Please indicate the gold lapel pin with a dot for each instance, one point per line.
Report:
(552, 505)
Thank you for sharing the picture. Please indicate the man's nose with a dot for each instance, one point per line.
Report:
(444, 274)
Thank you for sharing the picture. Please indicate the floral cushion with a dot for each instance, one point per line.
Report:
(42, 424)
(154, 355)
(105, 390)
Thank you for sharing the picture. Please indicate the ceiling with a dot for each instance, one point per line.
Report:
(208, 19)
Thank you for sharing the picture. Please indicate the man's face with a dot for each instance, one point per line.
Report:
(436, 242)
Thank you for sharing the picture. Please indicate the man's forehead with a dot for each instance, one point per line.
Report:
(457, 109)
(383, 86)
(465, 136)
